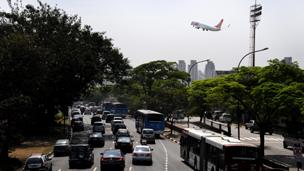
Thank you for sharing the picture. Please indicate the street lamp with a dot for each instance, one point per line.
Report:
(190, 76)
(238, 107)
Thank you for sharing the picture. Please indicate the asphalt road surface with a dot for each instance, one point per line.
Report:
(165, 153)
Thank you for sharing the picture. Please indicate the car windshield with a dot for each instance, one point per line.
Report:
(112, 153)
(155, 117)
(139, 149)
(34, 161)
(98, 128)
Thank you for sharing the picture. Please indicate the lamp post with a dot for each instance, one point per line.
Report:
(189, 81)
(238, 106)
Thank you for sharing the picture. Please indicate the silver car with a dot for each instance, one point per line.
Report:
(142, 153)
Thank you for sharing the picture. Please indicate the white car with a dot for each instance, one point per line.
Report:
(225, 117)
(249, 124)
(142, 153)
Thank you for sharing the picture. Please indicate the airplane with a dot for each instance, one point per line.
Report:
(198, 25)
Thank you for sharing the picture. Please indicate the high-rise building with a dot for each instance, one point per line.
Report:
(210, 70)
(287, 60)
(194, 70)
(181, 66)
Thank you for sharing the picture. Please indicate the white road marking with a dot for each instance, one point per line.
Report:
(130, 168)
(59, 170)
(165, 149)
(95, 168)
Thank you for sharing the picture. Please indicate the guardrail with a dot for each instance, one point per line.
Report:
(215, 126)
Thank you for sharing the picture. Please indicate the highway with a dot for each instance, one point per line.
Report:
(165, 153)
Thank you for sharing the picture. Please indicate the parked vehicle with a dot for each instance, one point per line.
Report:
(38, 162)
(249, 124)
(96, 139)
(142, 153)
(147, 135)
(125, 144)
(268, 128)
(62, 147)
(99, 127)
(225, 117)
(112, 158)
(81, 155)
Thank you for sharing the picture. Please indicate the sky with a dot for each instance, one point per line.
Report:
(148, 30)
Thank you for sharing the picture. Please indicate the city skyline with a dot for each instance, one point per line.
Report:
(145, 31)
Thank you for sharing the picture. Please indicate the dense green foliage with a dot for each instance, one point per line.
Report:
(47, 61)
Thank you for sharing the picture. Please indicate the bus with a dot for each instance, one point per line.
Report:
(107, 106)
(119, 109)
(205, 150)
(149, 119)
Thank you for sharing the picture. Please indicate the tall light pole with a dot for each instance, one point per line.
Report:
(238, 106)
(189, 81)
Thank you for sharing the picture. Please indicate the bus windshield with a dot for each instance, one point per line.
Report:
(155, 117)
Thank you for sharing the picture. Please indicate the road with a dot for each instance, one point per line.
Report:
(165, 153)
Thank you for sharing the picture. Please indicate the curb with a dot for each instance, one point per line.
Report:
(172, 139)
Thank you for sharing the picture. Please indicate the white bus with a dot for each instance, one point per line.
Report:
(208, 151)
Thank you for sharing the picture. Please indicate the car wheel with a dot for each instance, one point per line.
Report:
(71, 166)
(133, 162)
(270, 133)
(151, 163)
(246, 127)
(251, 130)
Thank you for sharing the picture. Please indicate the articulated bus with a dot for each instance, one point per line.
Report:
(208, 151)
(149, 119)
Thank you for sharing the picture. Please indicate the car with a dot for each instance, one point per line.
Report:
(112, 158)
(225, 117)
(38, 162)
(114, 122)
(118, 126)
(147, 135)
(122, 133)
(62, 147)
(268, 128)
(81, 155)
(95, 118)
(98, 127)
(76, 118)
(125, 144)
(216, 114)
(96, 139)
(142, 153)
(78, 126)
(109, 118)
(249, 124)
(104, 114)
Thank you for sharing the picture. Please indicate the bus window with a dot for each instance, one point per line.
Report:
(154, 118)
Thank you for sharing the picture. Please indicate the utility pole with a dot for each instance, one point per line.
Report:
(255, 17)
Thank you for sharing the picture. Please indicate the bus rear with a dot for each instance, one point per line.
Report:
(120, 109)
(155, 121)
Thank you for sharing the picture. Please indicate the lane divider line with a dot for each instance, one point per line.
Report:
(130, 168)
(95, 168)
(166, 152)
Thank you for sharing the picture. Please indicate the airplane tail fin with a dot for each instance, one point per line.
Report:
(219, 25)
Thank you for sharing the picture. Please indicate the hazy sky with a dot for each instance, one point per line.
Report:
(147, 30)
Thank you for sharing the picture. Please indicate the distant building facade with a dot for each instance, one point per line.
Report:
(210, 70)
(194, 70)
(181, 66)
(287, 60)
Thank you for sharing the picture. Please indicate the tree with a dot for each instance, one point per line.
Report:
(50, 58)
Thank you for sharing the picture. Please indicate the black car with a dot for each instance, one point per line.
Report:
(122, 133)
(99, 127)
(95, 118)
(125, 144)
(268, 128)
(117, 127)
(109, 118)
(96, 140)
(112, 159)
(78, 126)
(61, 147)
(81, 155)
